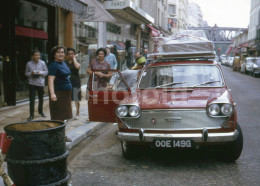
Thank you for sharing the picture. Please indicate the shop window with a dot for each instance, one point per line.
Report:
(172, 9)
(31, 32)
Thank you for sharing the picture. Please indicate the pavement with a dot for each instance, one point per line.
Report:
(98, 161)
(76, 130)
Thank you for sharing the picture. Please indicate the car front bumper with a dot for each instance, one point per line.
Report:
(196, 137)
(257, 72)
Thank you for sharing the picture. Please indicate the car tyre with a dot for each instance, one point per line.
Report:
(232, 151)
(128, 150)
(253, 74)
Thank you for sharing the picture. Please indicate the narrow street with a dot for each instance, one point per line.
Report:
(98, 160)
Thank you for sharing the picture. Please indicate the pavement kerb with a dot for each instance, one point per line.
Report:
(78, 134)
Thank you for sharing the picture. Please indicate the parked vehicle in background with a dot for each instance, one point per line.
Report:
(236, 65)
(217, 59)
(223, 59)
(247, 66)
(256, 67)
(230, 61)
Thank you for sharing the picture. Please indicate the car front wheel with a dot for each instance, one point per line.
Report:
(232, 151)
(128, 150)
(253, 74)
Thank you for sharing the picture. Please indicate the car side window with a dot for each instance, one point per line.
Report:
(112, 81)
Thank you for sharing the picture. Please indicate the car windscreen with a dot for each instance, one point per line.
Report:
(176, 76)
(250, 60)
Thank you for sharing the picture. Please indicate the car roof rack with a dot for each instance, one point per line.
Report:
(170, 57)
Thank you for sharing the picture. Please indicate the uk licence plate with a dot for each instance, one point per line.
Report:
(177, 143)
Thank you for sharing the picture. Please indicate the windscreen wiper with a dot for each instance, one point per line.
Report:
(173, 83)
(206, 83)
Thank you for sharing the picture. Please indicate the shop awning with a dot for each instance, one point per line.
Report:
(154, 31)
(96, 13)
(89, 10)
(120, 45)
(246, 44)
(128, 11)
(229, 50)
(74, 6)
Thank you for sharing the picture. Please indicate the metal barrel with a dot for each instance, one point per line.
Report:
(37, 155)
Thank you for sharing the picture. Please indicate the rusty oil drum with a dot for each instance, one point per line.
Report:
(37, 155)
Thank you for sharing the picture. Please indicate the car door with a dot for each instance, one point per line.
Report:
(105, 94)
(243, 66)
(249, 65)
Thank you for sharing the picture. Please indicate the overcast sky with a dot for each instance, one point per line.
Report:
(225, 13)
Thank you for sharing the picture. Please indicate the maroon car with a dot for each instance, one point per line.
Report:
(174, 104)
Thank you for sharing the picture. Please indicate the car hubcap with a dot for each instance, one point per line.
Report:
(124, 145)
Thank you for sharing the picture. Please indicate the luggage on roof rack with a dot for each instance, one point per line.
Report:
(187, 44)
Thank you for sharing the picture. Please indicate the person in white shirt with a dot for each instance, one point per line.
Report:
(36, 71)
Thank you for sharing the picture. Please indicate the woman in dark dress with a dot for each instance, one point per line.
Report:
(59, 86)
(74, 67)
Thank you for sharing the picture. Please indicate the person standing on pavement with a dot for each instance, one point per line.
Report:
(145, 53)
(74, 67)
(111, 58)
(100, 64)
(139, 60)
(36, 70)
(59, 86)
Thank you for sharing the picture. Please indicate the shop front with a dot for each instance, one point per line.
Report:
(29, 25)
(86, 34)
(135, 19)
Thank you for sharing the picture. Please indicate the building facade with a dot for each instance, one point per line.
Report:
(177, 15)
(158, 10)
(195, 16)
(254, 28)
(240, 45)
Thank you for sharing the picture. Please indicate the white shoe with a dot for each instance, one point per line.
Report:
(76, 117)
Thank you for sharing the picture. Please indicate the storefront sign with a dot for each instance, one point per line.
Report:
(116, 4)
(113, 28)
(127, 4)
(70, 5)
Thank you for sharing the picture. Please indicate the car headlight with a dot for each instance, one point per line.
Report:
(134, 111)
(122, 111)
(226, 109)
(214, 109)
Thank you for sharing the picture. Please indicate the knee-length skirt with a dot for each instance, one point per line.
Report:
(61, 109)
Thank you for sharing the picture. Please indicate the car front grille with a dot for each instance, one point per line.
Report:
(174, 120)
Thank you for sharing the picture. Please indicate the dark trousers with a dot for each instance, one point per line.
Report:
(32, 93)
